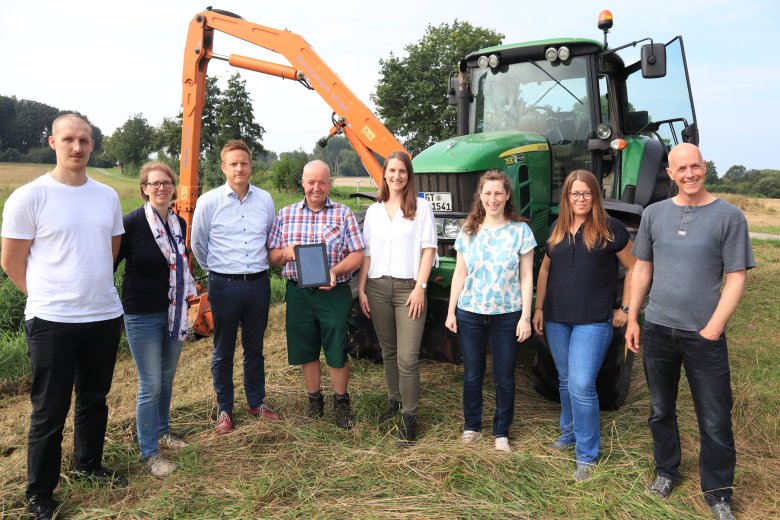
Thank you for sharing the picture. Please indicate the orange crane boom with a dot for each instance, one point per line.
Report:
(352, 117)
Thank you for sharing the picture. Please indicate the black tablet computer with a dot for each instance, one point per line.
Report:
(312, 263)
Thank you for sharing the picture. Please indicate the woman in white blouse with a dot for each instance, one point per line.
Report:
(400, 236)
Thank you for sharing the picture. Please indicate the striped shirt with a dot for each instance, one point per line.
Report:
(334, 224)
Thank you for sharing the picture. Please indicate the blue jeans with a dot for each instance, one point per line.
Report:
(474, 330)
(156, 357)
(234, 303)
(706, 365)
(578, 350)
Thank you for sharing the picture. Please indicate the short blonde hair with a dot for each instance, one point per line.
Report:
(235, 144)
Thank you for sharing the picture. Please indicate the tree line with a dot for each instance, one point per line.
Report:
(743, 181)
(25, 126)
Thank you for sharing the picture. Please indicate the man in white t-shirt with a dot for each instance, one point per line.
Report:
(60, 236)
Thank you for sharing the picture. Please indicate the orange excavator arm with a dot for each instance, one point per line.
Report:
(352, 117)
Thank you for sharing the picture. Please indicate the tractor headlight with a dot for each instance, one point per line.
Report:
(450, 227)
(604, 131)
(563, 53)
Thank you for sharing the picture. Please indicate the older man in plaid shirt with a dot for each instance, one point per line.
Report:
(318, 317)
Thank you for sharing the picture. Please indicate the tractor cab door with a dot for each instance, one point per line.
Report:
(662, 106)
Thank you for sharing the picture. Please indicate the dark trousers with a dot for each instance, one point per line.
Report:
(64, 356)
(234, 303)
(474, 331)
(707, 370)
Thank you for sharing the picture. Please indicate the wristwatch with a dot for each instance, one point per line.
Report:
(423, 285)
(624, 308)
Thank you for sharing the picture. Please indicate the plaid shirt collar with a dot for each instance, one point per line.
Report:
(302, 204)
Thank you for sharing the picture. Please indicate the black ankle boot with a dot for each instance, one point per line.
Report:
(342, 411)
(316, 405)
(393, 407)
(408, 430)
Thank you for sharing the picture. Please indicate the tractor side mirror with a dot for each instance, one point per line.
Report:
(452, 90)
(653, 60)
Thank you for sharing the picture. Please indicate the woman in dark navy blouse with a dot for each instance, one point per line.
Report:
(156, 286)
(575, 293)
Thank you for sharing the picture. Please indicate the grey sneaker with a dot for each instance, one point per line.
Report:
(470, 437)
(722, 510)
(583, 472)
(661, 487)
(172, 442)
(159, 467)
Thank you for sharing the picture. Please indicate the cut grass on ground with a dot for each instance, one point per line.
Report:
(300, 468)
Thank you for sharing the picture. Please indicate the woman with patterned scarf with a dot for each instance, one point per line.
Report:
(156, 286)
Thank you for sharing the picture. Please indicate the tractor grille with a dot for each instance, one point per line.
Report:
(462, 187)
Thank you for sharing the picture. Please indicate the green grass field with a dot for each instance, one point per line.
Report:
(300, 468)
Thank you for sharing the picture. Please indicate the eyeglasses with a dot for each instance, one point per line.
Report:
(575, 195)
(158, 184)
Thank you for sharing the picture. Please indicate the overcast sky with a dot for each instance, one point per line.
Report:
(111, 60)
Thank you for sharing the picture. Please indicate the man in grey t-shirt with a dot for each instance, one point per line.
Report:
(684, 246)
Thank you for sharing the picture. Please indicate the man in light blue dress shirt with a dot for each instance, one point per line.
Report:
(229, 231)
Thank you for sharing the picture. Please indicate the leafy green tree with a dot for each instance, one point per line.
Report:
(7, 117)
(209, 128)
(411, 96)
(32, 125)
(131, 144)
(736, 173)
(227, 115)
(167, 136)
(711, 176)
(287, 171)
(235, 117)
(768, 184)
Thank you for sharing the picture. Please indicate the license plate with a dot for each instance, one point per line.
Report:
(439, 201)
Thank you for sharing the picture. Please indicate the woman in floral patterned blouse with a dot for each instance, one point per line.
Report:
(490, 299)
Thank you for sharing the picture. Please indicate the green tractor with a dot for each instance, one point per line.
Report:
(537, 111)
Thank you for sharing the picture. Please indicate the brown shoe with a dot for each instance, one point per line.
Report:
(224, 423)
(264, 412)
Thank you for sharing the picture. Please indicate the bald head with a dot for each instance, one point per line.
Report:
(688, 171)
(316, 184)
(316, 166)
(684, 152)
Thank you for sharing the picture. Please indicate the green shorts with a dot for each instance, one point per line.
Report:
(317, 318)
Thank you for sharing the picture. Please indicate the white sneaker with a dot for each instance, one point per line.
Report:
(159, 467)
(502, 444)
(470, 437)
(172, 442)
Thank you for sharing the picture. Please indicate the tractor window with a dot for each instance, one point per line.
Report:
(541, 97)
